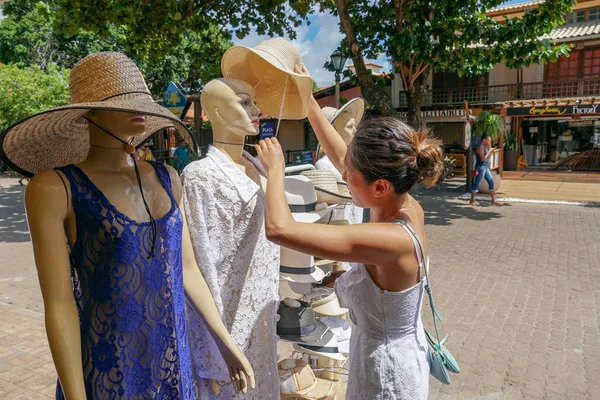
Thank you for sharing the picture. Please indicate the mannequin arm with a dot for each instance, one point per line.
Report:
(47, 209)
(201, 299)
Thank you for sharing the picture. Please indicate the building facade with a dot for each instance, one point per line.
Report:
(553, 108)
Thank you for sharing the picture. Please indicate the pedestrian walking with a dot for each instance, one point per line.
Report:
(181, 156)
(482, 168)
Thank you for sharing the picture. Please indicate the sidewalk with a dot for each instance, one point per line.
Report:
(539, 185)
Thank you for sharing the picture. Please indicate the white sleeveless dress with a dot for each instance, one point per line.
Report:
(388, 348)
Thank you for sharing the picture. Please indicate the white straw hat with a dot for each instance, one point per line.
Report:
(269, 68)
(327, 346)
(60, 136)
(325, 302)
(326, 186)
(301, 197)
(341, 329)
(300, 267)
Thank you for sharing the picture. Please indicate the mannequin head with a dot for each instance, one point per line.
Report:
(231, 108)
(123, 125)
(345, 125)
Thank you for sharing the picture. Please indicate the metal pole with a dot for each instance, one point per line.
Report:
(337, 90)
(469, 168)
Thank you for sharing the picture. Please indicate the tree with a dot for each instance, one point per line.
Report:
(30, 90)
(28, 37)
(157, 26)
(315, 87)
(441, 35)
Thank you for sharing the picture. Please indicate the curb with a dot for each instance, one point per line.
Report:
(467, 196)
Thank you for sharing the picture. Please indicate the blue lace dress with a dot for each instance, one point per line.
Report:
(131, 308)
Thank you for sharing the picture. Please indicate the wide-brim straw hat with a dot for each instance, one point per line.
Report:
(326, 186)
(354, 107)
(60, 136)
(269, 68)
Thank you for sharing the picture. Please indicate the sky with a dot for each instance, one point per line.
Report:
(316, 42)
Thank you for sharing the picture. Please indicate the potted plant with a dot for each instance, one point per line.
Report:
(492, 124)
(511, 154)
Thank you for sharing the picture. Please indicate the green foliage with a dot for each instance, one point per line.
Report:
(28, 37)
(30, 90)
(510, 142)
(445, 35)
(492, 124)
(155, 27)
(315, 87)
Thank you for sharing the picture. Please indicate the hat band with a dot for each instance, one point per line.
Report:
(123, 94)
(303, 208)
(302, 331)
(332, 193)
(319, 349)
(296, 271)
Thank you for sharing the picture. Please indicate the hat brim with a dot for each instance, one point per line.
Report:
(316, 276)
(313, 337)
(300, 287)
(335, 356)
(314, 216)
(60, 136)
(270, 82)
(323, 390)
(354, 107)
(329, 311)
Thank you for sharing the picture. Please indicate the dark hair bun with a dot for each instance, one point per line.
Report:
(429, 157)
(390, 149)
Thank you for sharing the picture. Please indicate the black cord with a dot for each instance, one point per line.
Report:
(139, 181)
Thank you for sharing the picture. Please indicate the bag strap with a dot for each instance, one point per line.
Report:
(434, 311)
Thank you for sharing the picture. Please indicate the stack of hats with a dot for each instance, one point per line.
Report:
(329, 188)
(327, 336)
(297, 380)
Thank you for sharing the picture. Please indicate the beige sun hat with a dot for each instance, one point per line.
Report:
(60, 136)
(269, 68)
(326, 186)
(297, 381)
(355, 107)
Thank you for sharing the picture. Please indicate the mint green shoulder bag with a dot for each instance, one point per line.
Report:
(440, 359)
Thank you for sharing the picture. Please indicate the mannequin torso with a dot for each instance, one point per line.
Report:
(114, 296)
(224, 202)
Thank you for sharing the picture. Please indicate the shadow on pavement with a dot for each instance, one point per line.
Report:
(13, 223)
(441, 205)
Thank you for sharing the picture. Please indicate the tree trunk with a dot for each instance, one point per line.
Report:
(415, 94)
(374, 95)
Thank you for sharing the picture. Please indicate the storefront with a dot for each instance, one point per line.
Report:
(551, 133)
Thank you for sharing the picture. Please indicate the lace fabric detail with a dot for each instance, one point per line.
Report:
(388, 345)
(225, 212)
(131, 308)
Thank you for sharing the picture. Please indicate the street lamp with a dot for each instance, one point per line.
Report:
(338, 59)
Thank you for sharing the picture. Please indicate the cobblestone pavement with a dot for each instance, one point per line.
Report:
(518, 287)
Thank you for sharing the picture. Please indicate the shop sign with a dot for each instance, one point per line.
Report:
(466, 137)
(456, 112)
(174, 100)
(267, 130)
(536, 111)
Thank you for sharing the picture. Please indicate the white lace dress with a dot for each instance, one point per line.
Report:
(388, 348)
(225, 211)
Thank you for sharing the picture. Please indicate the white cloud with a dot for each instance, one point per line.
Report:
(315, 51)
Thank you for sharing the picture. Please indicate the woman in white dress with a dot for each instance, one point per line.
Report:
(384, 291)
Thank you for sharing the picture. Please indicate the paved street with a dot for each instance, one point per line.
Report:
(518, 287)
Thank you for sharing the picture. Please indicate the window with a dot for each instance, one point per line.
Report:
(575, 17)
(563, 77)
(594, 14)
(450, 88)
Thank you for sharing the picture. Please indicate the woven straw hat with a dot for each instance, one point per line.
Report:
(269, 68)
(355, 107)
(60, 136)
(326, 185)
(297, 380)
